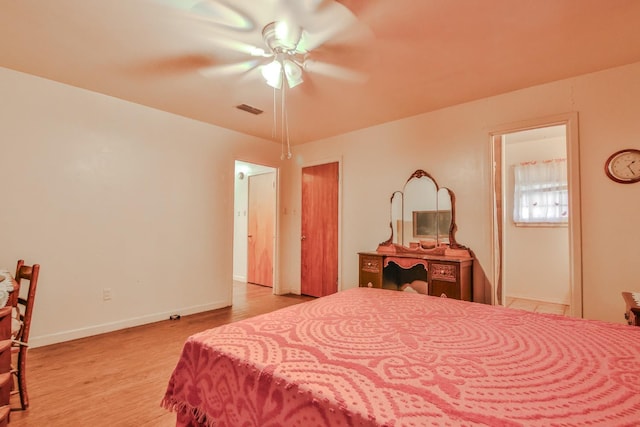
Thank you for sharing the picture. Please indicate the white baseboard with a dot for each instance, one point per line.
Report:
(59, 337)
(240, 278)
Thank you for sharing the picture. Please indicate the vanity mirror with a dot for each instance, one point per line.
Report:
(422, 216)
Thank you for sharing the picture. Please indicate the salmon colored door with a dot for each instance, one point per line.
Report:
(261, 228)
(319, 230)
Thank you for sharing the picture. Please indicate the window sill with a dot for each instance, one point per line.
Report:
(542, 224)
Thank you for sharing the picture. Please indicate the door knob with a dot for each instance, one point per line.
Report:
(303, 238)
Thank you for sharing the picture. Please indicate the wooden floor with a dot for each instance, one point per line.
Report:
(537, 306)
(118, 379)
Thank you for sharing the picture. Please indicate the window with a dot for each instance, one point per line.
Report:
(541, 193)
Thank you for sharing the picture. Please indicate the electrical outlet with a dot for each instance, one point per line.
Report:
(106, 294)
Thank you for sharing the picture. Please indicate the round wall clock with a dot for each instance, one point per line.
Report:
(624, 166)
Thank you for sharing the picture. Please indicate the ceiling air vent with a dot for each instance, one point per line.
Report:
(249, 109)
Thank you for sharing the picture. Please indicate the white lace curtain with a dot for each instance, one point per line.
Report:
(541, 192)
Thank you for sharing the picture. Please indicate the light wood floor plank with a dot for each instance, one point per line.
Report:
(118, 379)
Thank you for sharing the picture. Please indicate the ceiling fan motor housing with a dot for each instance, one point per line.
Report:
(281, 37)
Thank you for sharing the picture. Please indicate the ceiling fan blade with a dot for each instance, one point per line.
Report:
(232, 45)
(304, 12)
(219, 12)
(223, 14)
(335, 71)
(329, 29)
(327, 21)
(229, 69)
(173, 66)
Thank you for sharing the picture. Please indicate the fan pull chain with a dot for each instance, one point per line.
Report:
(285, 124)
(284, 119)
(286, 116)
(282, 109)
(274, 128)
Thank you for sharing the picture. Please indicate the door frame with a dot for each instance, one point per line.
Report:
(317, 163)
(276, 253)
(496, 144)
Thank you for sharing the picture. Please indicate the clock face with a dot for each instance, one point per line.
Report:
(624, 166)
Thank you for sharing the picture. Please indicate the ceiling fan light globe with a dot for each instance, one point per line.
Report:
(293, 72)
(275, 83)
(272, 74)
(294, 82)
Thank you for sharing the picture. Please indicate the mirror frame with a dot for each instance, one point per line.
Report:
(452, 226)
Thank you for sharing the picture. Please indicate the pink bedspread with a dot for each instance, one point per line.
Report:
(371, 357)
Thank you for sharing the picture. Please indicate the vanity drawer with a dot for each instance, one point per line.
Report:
(440, 288)
(371, 271)
(450, 279)
(446, 272)
(370, 264)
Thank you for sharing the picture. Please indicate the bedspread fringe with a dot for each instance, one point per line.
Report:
(194, 414)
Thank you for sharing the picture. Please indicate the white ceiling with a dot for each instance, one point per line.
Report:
(423, 55)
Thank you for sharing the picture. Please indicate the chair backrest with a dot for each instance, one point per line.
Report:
(25, 303)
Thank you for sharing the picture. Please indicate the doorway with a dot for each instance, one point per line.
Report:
(255, 195)
(537, 263)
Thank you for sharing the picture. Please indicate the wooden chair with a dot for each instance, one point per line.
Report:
(5, 364)
(4, 416)
(24, 307)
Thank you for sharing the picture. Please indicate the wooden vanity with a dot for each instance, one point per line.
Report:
(445, 276)
(422, 253)
(632, 309)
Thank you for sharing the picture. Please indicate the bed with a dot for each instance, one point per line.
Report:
(374, 357)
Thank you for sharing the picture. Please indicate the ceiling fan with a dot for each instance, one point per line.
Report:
(284, 39)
